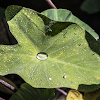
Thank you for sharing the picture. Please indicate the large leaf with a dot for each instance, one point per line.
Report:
(27, 92)
(49, 53)
(66, 16)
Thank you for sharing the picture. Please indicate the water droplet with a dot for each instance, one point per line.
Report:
(64, 76)
(50, 78)
(42, 56)
(75, 33)
(64, 36)
(93, 53)
(79, 44)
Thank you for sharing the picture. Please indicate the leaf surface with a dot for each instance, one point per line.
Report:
(67, 16)
(49, 53)
(27, 92)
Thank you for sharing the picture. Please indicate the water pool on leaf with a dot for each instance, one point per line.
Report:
(42, 56)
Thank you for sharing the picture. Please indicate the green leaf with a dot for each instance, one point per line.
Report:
(95, 95)
(49, 53)
(91, 6)
(66, 16)
(88, 88)
(27, 92)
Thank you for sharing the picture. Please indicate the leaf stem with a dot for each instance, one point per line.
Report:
(51, 4)
(60, 90)
(7, 84)
(1, 98)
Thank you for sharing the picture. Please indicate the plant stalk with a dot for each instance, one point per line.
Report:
(60, 90)
(51, 4)
(1, 98)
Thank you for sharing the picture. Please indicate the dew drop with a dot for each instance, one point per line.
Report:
(64, 76)
(93, 53)
(42, 56)
(79, 44)
(75, 33)
(50, 78)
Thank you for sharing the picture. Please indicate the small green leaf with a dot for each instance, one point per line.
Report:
(91, 6)
(66, 16)
(27, 92)
(74, 95)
